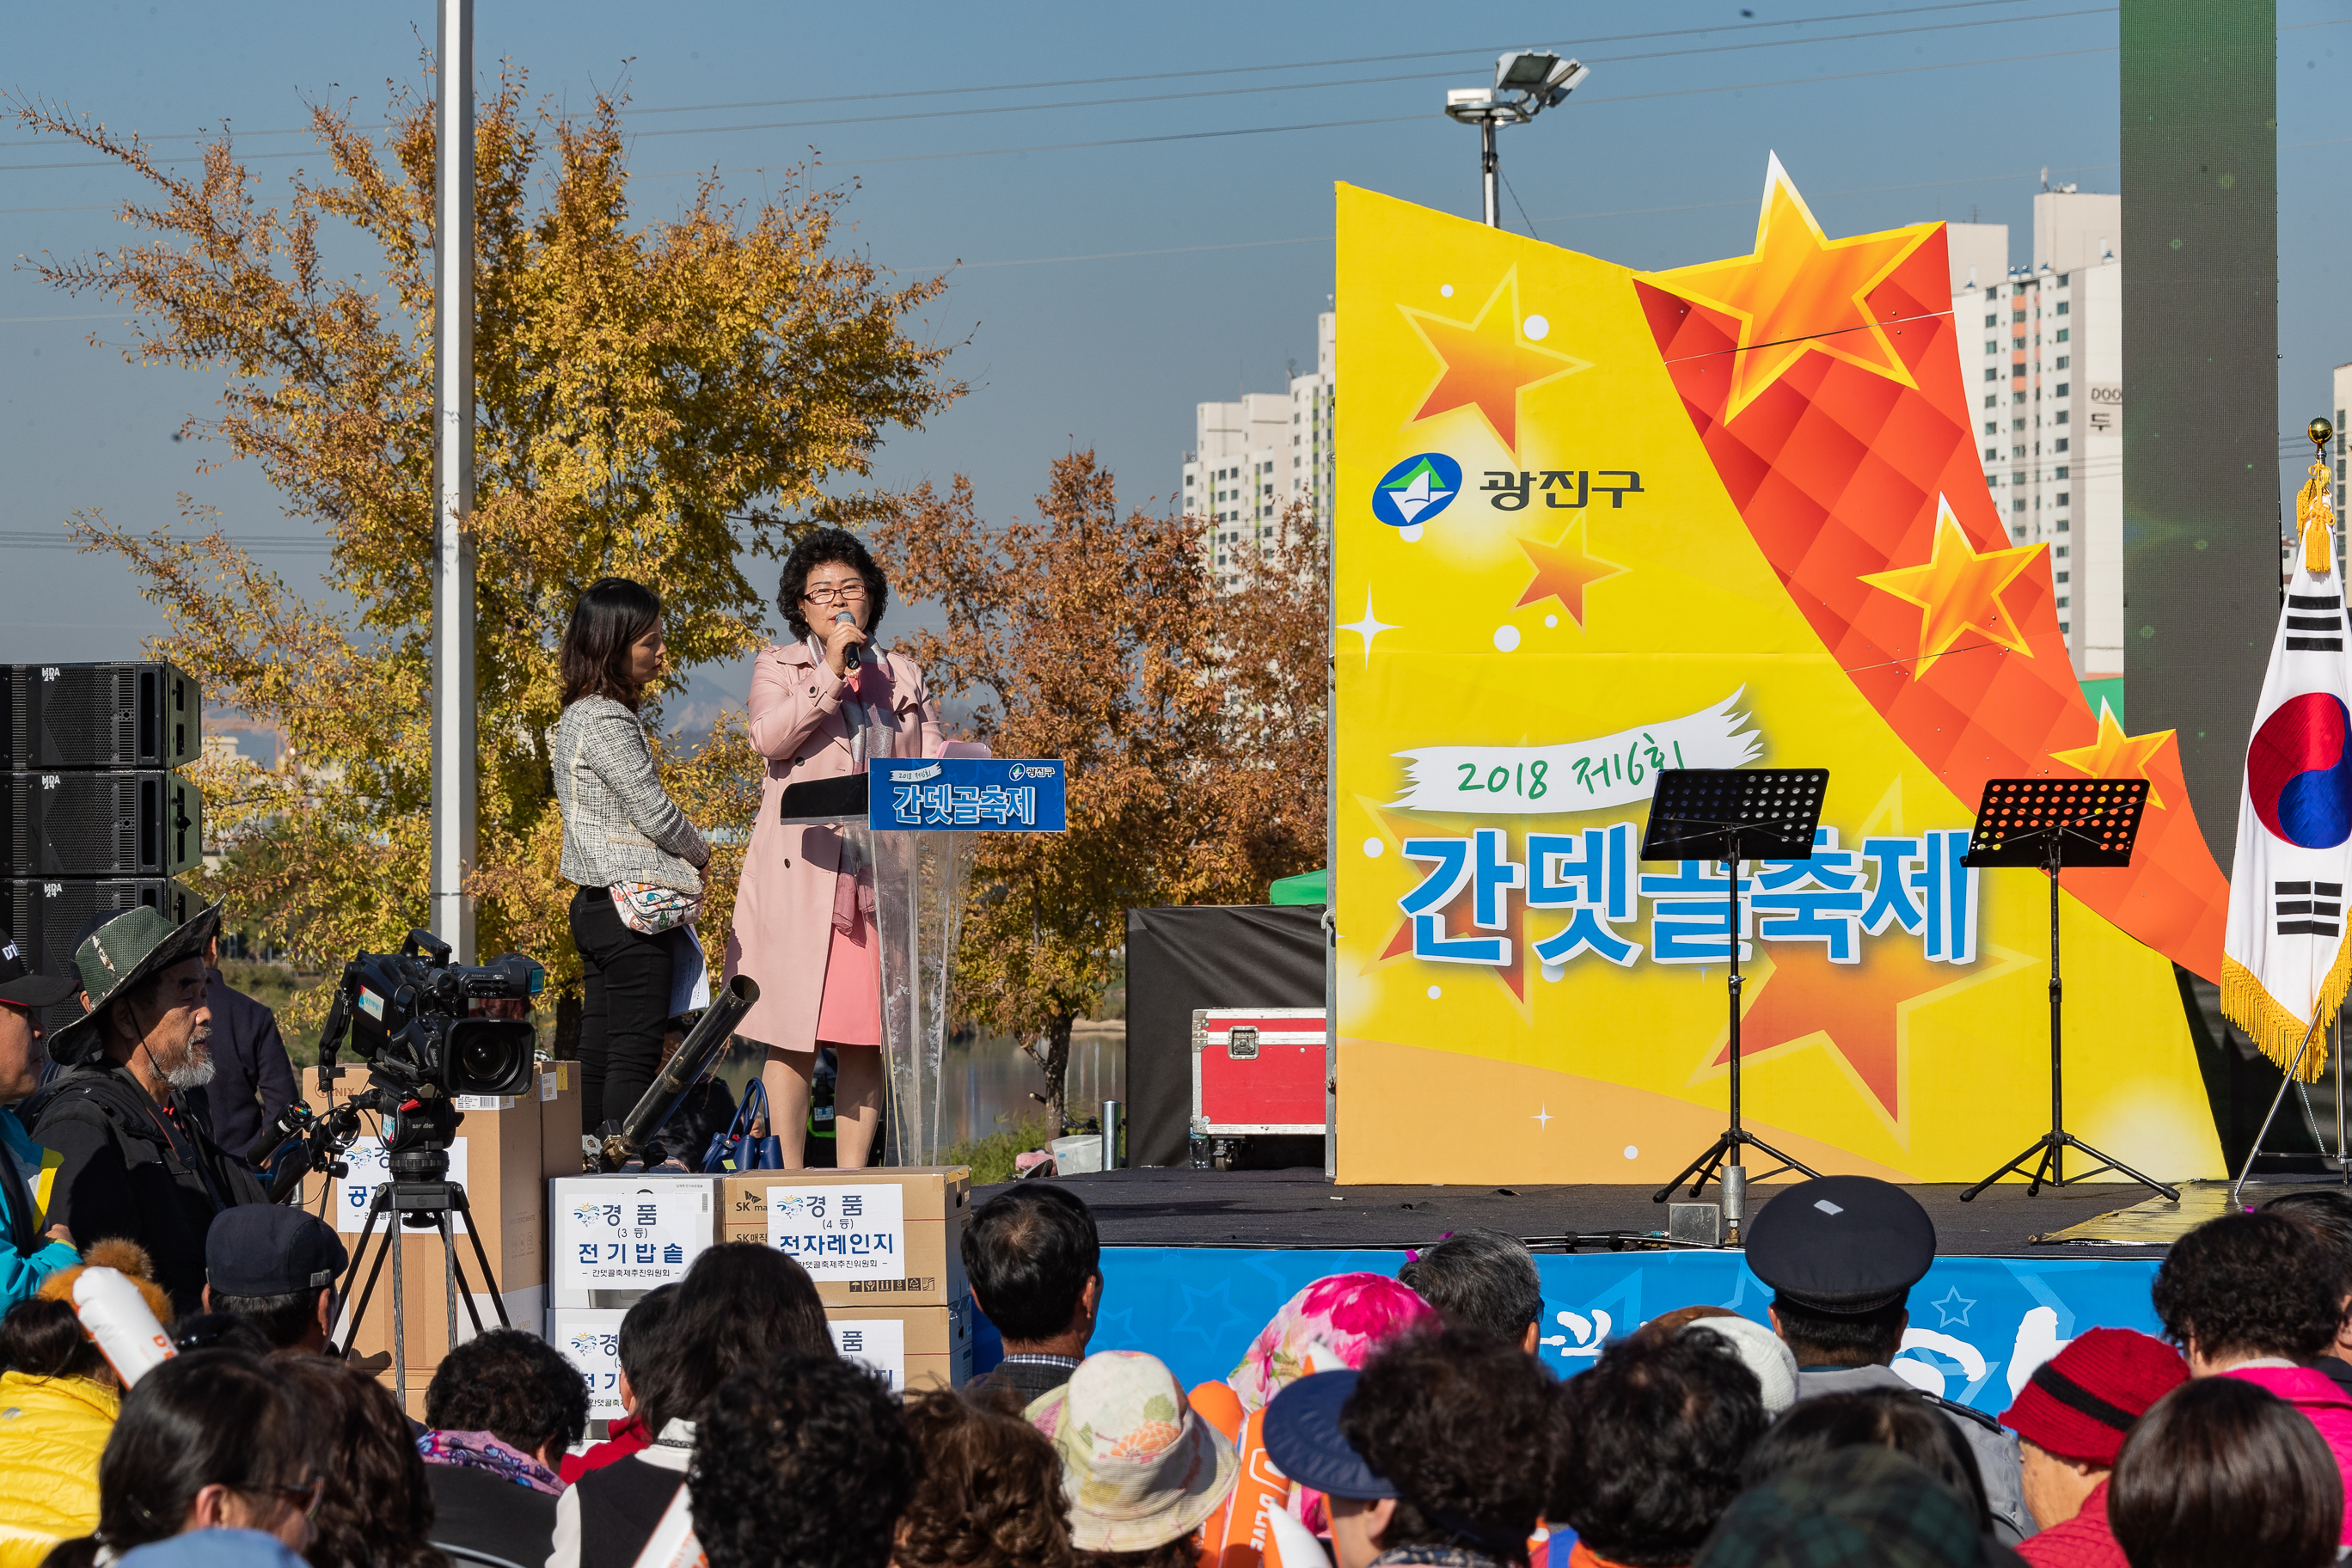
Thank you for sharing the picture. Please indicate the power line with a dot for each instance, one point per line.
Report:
(1181, 75)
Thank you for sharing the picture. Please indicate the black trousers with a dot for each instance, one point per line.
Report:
(628, 984)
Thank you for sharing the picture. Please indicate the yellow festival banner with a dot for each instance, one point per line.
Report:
(1593, 523)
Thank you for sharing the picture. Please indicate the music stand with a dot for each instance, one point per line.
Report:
(2051, 823)
(1733, 814)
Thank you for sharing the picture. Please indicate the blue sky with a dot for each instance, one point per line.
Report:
(1132, 238)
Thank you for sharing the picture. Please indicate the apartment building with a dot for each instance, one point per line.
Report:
(1253, 458)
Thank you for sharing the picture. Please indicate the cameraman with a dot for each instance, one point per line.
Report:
(139, 1158)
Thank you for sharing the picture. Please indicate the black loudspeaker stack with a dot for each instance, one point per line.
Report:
(94, 813)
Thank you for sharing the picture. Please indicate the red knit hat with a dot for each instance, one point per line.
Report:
(2080, 1402)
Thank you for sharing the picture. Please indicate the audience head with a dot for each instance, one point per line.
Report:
(1649, 1445)
(1842, 1253)
(44, 1339)
(1035, 1264)
(991, 1493)
(276, 1267)
(1895, 1418)
(1334, 1323)
(640, 1337)
(802, 1459)
(2247, 1286)
(213, 1438)
(515, 1386)
(1481, 1280)
(377, 1512)
(741, 1304)
(1439, 1441)
(1759, 1350)
(2326, 1212)
(2221, 1470)
(1857, 1507)
(2073, 1415)
(1139, 1467)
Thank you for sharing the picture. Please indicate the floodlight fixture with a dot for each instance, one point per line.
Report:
(1527, 82)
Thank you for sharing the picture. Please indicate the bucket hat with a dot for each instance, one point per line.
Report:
(1139, 1467)
(126, 951)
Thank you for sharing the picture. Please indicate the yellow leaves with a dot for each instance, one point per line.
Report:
(653, 400)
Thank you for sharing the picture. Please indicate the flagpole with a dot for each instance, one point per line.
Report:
(2292, 1074)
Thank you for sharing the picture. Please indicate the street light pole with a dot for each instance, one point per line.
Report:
(1527, 82)
(453, 483)
(1490, 172)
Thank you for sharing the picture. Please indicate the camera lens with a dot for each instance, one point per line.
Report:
(490, 1055)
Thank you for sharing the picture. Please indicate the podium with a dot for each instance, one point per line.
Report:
(914, 822)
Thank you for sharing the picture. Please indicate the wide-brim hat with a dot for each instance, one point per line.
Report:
(128, 950)
(1304, 1440)
(1139, 1467)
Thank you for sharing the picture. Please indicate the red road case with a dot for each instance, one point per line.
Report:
(1258, 1070)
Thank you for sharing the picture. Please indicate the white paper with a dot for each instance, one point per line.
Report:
(1576, 775)
(630, 1234)
(590, 1340)
(689, 974)
(879, 1344)
(356, 1191)
(672, 1543)
(841, 1233)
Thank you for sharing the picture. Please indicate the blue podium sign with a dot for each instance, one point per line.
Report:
(966, 795)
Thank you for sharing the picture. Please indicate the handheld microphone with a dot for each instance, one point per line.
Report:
(848, 655)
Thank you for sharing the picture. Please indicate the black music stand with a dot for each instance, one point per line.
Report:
(2051, 823)
(1733, 814)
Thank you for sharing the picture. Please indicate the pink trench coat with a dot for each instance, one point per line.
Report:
(783, 905)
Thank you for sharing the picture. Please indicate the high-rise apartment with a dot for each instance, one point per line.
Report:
(1252, 459)
(2042, 352)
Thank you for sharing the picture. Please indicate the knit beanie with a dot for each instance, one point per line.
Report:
(2080, 1403)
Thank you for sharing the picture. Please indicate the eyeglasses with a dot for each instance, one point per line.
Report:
(833, 594)
(308, 1497)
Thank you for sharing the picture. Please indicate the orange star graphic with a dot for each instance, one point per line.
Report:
(1958, 591)
(1395, 828)
(1861, 1012)
(1564, 571)
(2115, 755)
(1801, 291)
(1487, 362)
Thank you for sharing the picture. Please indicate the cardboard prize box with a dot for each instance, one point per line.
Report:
(588, 1337)
(916, 1348)
(500, 1154)
(614, 1238)
(889, 1235)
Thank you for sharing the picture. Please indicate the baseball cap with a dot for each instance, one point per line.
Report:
(21, 986)
(270, 1250)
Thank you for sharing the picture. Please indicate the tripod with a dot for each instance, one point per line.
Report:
(1734, 814)
(2032, 822)
(420, 1187)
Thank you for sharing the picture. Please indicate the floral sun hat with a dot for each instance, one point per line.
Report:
(1139, 1467)
(1332, 1325)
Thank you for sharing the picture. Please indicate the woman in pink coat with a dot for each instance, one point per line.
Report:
(803, 923)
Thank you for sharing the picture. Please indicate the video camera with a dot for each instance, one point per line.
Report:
(407, 1017)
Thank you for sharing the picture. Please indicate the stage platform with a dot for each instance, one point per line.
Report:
(1299, 1210)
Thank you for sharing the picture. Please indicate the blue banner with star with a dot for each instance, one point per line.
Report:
(1978, 1325)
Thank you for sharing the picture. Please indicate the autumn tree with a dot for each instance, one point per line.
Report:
(1104, 641)
(656, 396)
(1272, 658)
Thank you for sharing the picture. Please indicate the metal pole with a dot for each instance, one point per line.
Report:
(1330, 545)
(2292, 1071)
(2057, 991)
(1489, 168)
(453, 482)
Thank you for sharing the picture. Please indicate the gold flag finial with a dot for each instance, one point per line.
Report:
(2314, 518)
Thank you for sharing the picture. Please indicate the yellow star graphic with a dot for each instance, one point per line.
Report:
(1801, 291)
(1564, 571)
(1958, 591)
(2115, 755)
(1487, 362)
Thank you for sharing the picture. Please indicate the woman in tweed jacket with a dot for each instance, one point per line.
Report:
(619, 827)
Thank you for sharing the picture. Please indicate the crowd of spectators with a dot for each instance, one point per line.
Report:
(1375, 1422)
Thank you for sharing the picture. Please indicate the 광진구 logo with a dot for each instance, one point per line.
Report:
(1416, 490)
